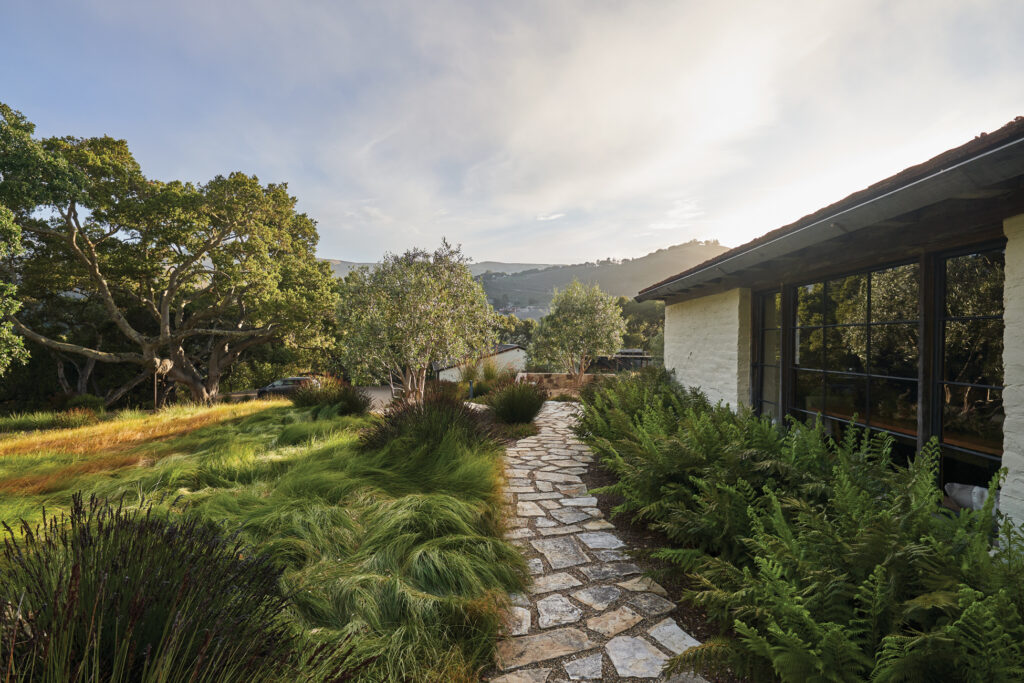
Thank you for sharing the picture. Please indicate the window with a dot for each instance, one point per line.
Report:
(768, 362)
(970, 384)
(850, 348)
(855, 349)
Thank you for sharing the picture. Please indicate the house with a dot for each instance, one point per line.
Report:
(900, 306)
(504, 357)
(624, 359)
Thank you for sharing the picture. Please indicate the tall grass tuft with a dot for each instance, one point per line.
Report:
(111, 594)
(340, 396)
(437, 418)
(517, 403)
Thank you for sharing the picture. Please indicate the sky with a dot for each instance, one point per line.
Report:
(546, 131)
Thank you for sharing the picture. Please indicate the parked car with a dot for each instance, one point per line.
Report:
(286, 386)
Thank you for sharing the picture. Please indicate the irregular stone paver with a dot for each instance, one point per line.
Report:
(635, 657)
(584, 667)
(597, 597)
(556, 610)
(673, 638)
(516, 652)
(525, 676)
(517, 621)
(614, 622)
(587, 617)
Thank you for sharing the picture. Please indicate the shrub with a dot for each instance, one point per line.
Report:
(328, 391)
(518, 403)
(75, 417)
(819, 559)
(95, 403)
(110, 594)
(436, 419)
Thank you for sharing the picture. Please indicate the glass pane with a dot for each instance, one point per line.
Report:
(809, 348)
(974, 352)
(894, 293)
(810, 304)
(974, 284)
(894, 405)
(770, 383)
(894, 350)
(973, 418)
(771, 311)
(846, 397)
(807, 391)
(771, 344)
(848, 301)
(769, 409)
(846, 349)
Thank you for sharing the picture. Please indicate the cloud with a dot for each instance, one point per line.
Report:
(553, 131)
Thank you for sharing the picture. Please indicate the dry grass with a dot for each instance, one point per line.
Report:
(121, 435)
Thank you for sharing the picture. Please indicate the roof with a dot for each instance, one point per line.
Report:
(988, 158)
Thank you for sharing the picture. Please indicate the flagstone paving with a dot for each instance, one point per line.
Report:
(590, 615)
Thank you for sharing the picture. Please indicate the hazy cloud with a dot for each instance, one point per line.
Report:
(553, 131)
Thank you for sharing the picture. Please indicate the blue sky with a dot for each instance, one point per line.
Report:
(546, 131)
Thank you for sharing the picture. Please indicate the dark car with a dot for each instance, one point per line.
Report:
(286, 386)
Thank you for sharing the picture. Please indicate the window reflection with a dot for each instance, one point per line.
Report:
(894, 405)
(974, 284)
(846, 397)
(973, 418)
(894, 349)
(895, 293)
(809, 348)
(848, 301)
(974, 351)
(807, 391)
(846, 349)
(810, 304)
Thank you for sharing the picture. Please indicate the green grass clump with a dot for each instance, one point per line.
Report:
(115, 594)
(392, 542)
(439, 416)
(517, 403)
(340, 397)
(820, 558)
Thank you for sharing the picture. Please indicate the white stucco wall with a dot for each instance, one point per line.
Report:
(1012, 495)
(707, 343)
(513, 359)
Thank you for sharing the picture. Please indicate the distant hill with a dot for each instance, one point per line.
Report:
(343, 268)
(621, 278)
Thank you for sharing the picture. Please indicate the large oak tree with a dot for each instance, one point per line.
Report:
(190, 276)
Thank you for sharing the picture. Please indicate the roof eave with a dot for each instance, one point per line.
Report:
(981, 170)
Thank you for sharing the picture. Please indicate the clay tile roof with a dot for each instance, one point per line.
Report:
(980, 144)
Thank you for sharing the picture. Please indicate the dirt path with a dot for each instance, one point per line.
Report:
(590, 614)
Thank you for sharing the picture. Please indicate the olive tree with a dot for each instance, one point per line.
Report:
(410, 311)
(584, 323)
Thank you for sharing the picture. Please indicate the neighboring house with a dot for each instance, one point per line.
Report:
(504, 357)
(902, 304)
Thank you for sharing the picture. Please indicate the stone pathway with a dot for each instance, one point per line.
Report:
(589, 615)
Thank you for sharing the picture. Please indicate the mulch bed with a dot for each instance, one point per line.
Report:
(692, 620)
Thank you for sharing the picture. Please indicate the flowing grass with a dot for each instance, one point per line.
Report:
(393, 542)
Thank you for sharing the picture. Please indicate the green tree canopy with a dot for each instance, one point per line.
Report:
(584, 323)
(410, 311)
(11, 347)
(191, 276)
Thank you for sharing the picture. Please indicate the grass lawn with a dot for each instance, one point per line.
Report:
(397, 546)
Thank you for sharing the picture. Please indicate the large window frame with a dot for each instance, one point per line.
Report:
(932, 321)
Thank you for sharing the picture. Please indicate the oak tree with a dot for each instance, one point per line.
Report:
(190, 276)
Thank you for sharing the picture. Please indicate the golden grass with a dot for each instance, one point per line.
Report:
(121, 435)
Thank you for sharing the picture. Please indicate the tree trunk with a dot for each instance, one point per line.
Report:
(128, 386)
(61, 377)
(84, 375)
